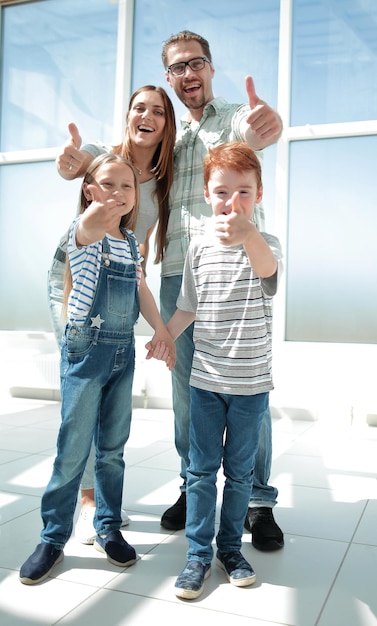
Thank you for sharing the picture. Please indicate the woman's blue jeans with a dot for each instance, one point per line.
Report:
(262, 494)
(224, 428)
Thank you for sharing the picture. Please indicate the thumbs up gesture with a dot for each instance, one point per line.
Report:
(233, 227)
(75, 139)
(71, 162)
(265, 125)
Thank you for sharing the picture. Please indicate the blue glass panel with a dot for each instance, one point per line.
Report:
(243, 37)
(331, 258)
(334, 57)
(37, 206)
(58, 66)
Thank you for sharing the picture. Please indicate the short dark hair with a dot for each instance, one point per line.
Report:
(185, 35)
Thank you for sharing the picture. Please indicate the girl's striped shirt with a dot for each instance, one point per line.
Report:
(85, 264)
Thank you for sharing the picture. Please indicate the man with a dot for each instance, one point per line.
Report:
(209, 121)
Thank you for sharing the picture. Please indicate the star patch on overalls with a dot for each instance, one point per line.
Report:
(96, 321)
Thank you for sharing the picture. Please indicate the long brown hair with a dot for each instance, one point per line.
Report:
(126, 221)
(163, 163)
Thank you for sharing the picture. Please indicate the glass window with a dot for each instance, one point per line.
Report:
(58, 66)
(334, 56)
(331, 257)
(249, 44)
(37, 206)
(58, 62)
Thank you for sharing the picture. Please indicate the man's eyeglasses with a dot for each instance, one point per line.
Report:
(196, 64)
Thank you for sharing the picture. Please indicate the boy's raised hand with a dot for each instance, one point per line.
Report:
(232, 229)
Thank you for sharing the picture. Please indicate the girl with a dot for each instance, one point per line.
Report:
(97, 363)
(148, 142)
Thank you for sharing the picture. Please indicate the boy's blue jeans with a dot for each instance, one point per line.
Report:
(223, 428)
(262, 494)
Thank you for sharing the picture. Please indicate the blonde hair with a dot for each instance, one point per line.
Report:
(127, 221)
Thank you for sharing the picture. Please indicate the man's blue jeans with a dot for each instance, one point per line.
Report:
(224, 429)
(262, 494)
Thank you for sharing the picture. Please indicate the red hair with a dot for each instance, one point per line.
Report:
(235, 156)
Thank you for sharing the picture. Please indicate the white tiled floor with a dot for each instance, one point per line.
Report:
(326, 575)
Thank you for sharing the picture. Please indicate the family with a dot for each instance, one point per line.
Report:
(202, 186)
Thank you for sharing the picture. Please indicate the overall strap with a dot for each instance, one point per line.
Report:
(105, 252)
(131, 241)
(105, 246)
(133, 245)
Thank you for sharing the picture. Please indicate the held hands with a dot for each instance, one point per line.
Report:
(70, 160)
(162, 348)
(234, 228)
(264, 122)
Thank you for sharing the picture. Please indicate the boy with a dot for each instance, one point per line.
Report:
(228, 283)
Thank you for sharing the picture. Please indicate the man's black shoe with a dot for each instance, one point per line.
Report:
(265, 533)
(174, 518)
(39, 564)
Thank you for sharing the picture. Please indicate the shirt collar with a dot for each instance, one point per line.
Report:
(211, 109)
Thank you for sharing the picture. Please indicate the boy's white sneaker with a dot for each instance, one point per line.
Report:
(84, 529)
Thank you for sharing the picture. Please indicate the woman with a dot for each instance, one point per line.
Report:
(148, 143)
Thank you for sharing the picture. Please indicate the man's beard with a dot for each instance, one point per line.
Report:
(192, 105)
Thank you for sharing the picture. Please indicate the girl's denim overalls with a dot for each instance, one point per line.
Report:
(97, 367)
